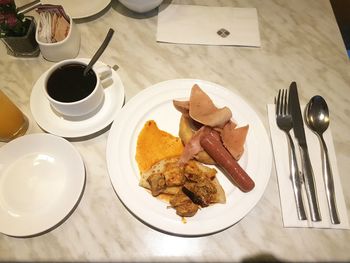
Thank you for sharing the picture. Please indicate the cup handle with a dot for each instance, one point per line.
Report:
(104, 73)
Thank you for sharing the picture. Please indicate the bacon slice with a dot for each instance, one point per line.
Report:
(203, 110)
(233, 139)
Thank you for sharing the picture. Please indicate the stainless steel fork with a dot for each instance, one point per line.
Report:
(285, 123)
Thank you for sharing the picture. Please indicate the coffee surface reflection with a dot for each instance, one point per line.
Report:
(68, 83)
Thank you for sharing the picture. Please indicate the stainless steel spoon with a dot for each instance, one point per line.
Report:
(317, 119)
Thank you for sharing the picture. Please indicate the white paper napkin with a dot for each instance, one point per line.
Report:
(281, 155)
(189, 24)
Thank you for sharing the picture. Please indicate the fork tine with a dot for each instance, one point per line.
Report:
(278, 103)
(284, 102)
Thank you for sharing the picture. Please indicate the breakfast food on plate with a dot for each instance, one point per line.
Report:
(210, 131)
(154, 145)
(187, 187)
(176, 173)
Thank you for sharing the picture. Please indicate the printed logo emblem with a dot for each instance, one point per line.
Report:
(223, 32)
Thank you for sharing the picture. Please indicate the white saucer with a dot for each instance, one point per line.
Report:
(53, 123)
(42, 177)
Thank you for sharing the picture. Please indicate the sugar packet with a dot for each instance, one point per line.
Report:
(54, 23)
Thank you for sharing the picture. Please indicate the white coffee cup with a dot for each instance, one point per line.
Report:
(61, 77)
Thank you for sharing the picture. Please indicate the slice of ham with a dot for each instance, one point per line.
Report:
(200, 108)
(203, 110)
(182, 106)
(233, 139)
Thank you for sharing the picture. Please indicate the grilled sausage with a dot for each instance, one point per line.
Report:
(211, 143)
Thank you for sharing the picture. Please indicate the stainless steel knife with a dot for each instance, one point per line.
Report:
(299, 132)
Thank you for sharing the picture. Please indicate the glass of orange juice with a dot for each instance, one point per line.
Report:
(13, 122)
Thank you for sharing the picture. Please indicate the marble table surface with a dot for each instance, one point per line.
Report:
(300, 41)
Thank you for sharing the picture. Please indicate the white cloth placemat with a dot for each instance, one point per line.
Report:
(208, 25)
(280, 150)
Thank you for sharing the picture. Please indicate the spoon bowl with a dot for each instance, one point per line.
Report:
(317, 115)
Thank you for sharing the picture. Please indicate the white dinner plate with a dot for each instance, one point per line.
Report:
(53, 123)
(80, 8)
(42, 177)
(155, 103)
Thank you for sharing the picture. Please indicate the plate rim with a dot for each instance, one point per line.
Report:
(111, 168)
(71, 203)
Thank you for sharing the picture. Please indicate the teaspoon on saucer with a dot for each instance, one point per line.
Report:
(100, 51)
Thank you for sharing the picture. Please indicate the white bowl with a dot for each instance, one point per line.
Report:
(66, 49)
(141, 6)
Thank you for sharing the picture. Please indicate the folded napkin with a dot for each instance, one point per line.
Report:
(208, 25)
(281, 155)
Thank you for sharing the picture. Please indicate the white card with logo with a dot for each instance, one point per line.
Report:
(208, 25)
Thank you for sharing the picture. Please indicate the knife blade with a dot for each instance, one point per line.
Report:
(299, 133)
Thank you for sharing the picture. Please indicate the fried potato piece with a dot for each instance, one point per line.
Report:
(154, 145)
(186, 132)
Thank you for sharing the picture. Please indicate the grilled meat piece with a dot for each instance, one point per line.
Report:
(201, 192)
(193, 168)
(183, 205)
(194, 198)
(169, 177)
(174, 174)
(157, 183)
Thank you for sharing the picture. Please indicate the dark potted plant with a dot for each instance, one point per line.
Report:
(17, 31)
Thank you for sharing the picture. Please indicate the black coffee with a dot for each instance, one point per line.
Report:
(68, 83)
